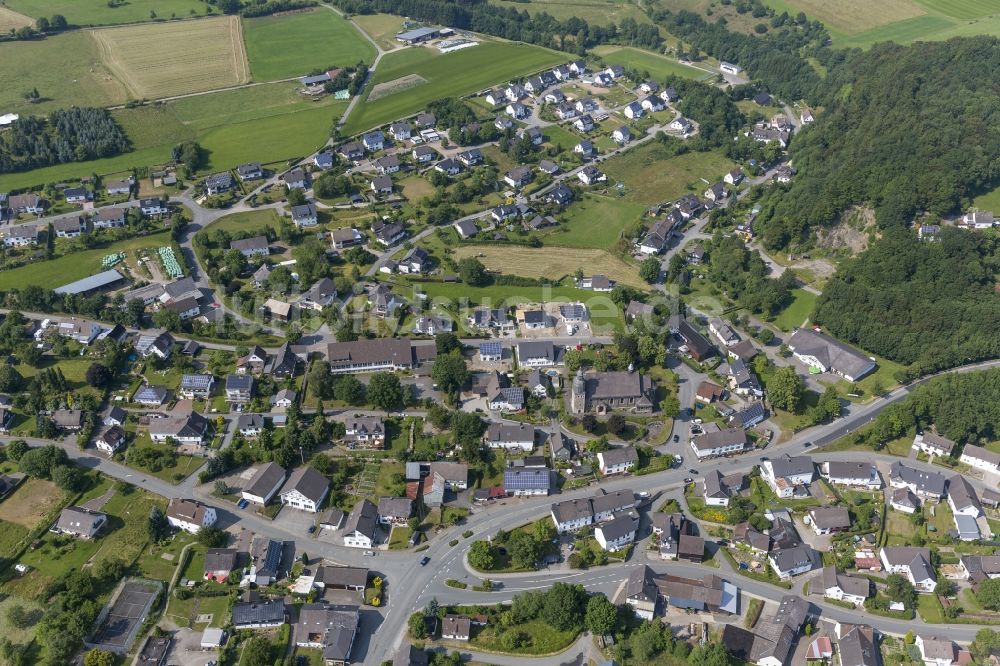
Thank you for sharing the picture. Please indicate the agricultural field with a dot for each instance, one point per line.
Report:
(553, 263)
(101, 12)
(651, 175)
(66, 69)
(446, 75)
(75, 266)
(281, 47)
(381, 27)
(166, 59)
(596, 221)
(858, 23)
(595, 12)
(659, 67)
(11, 20)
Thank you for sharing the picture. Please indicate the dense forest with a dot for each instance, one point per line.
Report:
(744, 276)
(911, 128)
(573, 34)
(68, 135)
(962, 407)
(775, 60)
(928, 305)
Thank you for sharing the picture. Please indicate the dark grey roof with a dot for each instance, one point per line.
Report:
(220, 559)
(98, 281)
(308, 482)
(619, 455)
(78, 520)
(363, 519)
(150, 394)
(395, 507)
(618, 527)
(264, 479)
(342, 576)
(258, 612)
(333, 627)
(831, 352)
(831, 517)
(931, 483)
(239, 382)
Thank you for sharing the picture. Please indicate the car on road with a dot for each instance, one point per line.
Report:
(424, 560)
(677, 438)
(763, 458)
(693, 470)
(688, 480)
(243, 504)
(806, 444)
(312, 528)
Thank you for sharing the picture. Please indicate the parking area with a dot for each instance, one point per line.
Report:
(297, 522)
(185, 650)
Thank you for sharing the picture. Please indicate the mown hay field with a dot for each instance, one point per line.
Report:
(167, 59)
(551, 262)
(11, 20)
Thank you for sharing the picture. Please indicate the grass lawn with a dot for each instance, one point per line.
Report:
(595, 221)
(930, 608)
(312, 656)
(652, 174)
(19, 635)
(276, 44)
(248, 220)
(445, 75)
(554, 263)
(160, 560)
(381, 27)
(400, 538)
(659, 67)
(542, 638)
(99, 12)
(798, 311)
(76, 265)
(184, 467)
(988, 201)
(559, 136)
(67, 70)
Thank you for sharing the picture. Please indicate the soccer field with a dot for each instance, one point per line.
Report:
(165, 59)
(446, 75)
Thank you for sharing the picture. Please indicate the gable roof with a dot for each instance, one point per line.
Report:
(308, 482)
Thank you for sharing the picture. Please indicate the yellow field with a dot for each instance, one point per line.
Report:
(166, 59)
(857, 15)
(381, 27)
(11, 20)
(551, 262)
(31, 502)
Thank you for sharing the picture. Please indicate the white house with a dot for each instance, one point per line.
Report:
(264, 484)
(853, 589)
(510, 436)
(361, 526)
(617, 461)
(786, 475)
(980, 458)
(936, 651)
(190, 516)
(616, 533)
(912, 562)
(852, 474)
(305, 490)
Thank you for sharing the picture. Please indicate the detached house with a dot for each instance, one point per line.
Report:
(789, 476)
(617, 461)
(361, 527)
(305, 490)
(510, 436)
(189, 515)
(912, 562)
(305, 215)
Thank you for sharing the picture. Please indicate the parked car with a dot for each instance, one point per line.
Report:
(424, 560)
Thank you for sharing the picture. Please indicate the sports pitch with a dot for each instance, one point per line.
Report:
(167, 59)
(116, 630)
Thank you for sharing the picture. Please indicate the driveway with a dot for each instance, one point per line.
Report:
(295, 521)
(185, 650)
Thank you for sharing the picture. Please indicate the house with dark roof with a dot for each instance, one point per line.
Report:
(605, 392)
(259, 614)
(620, 460)
(305, 490)
(219, 563)
(618, 532)
(361, 526)
(331, 629)
(844, 587)
(912, 562)
(695, 344)
(80, 522)
(264, 484)
(828, 354)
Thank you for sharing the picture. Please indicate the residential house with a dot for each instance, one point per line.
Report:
(936, 651)
(789, 476)
(68, 419)
(219, 183)
(903, 499)
(305, 490)
(585, 148)
(589, 175)
(912, 562)
(933, 444)
(717, 489)
(829, 519)
(387, 164)
(394, 510)
(361, 526)
(109, 218)
(250, 425)
(219, 563)
(367, 432)
(256, 614)
(252, 171)
(239, 388)
(456, 628)
(926, 485)
(251, 247)
(641, 593)
(329, 629)
(527, 482)
(423, 154)
(345, 238)
(373, 141)
(793, 561)
(323, 160)
(107, 442)
(844, 587)
(76, 195)
(725, 442)
(510, 436)
(682, 125)
(150, 396)
(621, 135)
(617, 533)
(352, 151)
(621, 460)
(267, 479)
(980, 458)
(471, 157)
(519, 176)
(154, 206)
(189, 515)
(401, 131)
(80, 522)
(388, 234)
(305, 215)
(634, 111)
(852, 474)
(828, 354)
(584, 123)
(538, 354)
(382, 185)
(695, 344)
(69, 227)
(604, 392)
(21, 236)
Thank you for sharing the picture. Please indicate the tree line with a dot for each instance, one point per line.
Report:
(573, 34)
(76, 134)
(927, 305)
